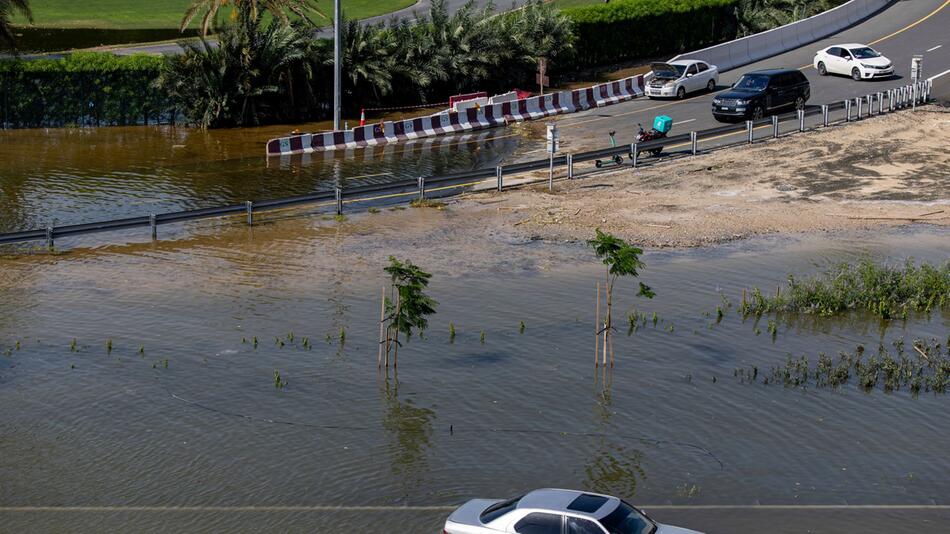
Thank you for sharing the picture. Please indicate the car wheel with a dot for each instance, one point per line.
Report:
(757, 113)
(681, 93)
(822, 71)
(799, 103)
(711, 86)
(856, 74)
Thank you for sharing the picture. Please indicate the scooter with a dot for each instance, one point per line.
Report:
(649, 135)
(617, 159)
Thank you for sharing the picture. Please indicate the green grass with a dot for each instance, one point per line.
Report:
(883, 290)
(155, 14)
(575, 3)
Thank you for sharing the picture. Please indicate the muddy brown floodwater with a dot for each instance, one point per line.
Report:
(135, 397)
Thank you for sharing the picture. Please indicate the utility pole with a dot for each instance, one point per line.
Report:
(337, 65)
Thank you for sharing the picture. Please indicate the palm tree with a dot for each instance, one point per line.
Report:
(7, 8)
(240, 80)
(251, 8)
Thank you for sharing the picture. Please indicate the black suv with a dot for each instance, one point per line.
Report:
(761, 93)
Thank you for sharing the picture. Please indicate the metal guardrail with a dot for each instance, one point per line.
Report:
(908, 96)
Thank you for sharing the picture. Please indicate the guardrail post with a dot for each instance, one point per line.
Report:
(422, 188)
(570, 166)
(49, 237)
(694, 141)
(801, 120)
(847, 110)
(880, 103)
(890, 100)
(824, 115)
(551, 172)
(774, 126)
(930, 88)
(339, 200)
(498, 177)
(915, 94)
(860, 102)
(870, 99)
(249, 208)
(634, 156)
(153, 224)
(749, 131)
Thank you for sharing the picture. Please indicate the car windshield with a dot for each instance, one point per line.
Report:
(755, 82)
(674, 73)
(627, 520)
(864, 53)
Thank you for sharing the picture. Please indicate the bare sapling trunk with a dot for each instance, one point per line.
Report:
(382, 328)
(597, 328)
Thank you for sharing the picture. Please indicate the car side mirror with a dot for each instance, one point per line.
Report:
(689, 75)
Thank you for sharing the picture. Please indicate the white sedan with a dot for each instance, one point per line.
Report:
(859, 61)
(554, 511)
(676, 78)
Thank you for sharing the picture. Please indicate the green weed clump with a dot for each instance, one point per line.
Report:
(427, 203)
(926, 368)
(885, 291)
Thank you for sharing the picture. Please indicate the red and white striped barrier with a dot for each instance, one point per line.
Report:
(476, 118)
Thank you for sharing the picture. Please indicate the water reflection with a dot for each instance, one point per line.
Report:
(66, 176)
(409, 428)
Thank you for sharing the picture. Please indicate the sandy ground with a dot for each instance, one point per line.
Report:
(885, 171)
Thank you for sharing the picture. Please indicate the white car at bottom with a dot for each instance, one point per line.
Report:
(678, 78)
(554, 511)
(860, 62)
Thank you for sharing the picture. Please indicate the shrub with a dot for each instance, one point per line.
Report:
(84, 88)
(626, 29)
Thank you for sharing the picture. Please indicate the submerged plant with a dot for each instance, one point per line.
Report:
(342, 336)
(521, 328)
(72, 345)
(278, 382)
(108, 346)
(451, 332)
(481, 338)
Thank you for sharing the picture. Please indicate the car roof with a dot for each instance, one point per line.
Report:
(686, 62)
(772, 72)
(850, 45)
(559, 499)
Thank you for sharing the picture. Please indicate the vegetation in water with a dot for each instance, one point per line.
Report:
(621, 259)
(883, 290)
(279, 383)
(926, 368)
(407, 308)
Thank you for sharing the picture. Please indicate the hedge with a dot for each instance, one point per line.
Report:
(82, 89)
(627, 29)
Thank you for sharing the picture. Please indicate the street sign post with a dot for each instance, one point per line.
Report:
(553, 138)
(917, 68)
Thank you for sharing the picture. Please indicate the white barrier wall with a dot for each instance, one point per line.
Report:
(782, 39)
(471, 118)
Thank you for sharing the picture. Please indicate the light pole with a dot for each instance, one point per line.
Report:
(337, 65)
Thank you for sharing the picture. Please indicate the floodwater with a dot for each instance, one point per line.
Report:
(52, 177)
(195, 418)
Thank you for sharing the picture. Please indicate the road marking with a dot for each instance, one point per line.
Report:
(939, 75)
(934, 48)
(639, 110)
(909, 26)
(330, 508)
(684, 122)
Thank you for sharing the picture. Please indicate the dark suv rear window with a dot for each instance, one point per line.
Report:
(587, 503)
(497, 510)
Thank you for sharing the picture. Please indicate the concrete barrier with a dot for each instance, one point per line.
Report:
(470, 118)
(789, 37)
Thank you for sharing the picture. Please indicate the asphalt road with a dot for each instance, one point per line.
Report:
(898, 32)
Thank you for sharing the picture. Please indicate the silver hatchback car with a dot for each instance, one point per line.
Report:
(555, 511)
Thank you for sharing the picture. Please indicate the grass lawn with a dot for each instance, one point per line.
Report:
(153, 14)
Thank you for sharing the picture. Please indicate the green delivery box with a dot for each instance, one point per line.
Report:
(662, 123)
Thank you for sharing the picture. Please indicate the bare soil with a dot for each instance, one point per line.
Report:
(885, 171)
